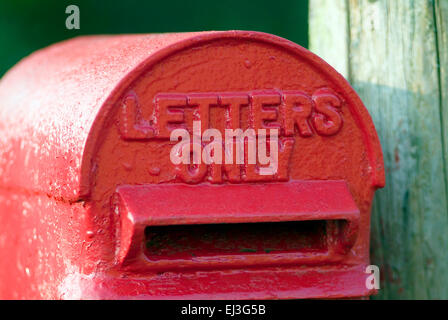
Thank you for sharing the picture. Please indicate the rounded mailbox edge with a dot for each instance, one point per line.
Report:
(360, 112)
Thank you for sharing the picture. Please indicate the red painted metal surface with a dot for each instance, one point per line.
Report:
(92, 207)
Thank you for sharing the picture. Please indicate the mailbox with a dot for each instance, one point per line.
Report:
(96, 202)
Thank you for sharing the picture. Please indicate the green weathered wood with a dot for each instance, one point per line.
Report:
(396, 58)
(441, 16)
(330, 18)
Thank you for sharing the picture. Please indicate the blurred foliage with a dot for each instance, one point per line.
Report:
(28, 25)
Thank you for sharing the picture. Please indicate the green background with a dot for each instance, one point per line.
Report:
(28, 25)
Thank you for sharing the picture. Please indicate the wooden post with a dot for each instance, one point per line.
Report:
(395, 55)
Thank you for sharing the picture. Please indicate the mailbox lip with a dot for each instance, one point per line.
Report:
(340, 205)
(140, 206)
(355, 104)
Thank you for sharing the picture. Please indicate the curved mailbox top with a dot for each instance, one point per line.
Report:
(57, 104)
(51, 99)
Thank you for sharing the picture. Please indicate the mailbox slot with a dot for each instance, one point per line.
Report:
(187, 241)
(240, 244)
(179, 227)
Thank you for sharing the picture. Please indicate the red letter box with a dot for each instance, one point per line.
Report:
(93, 206)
